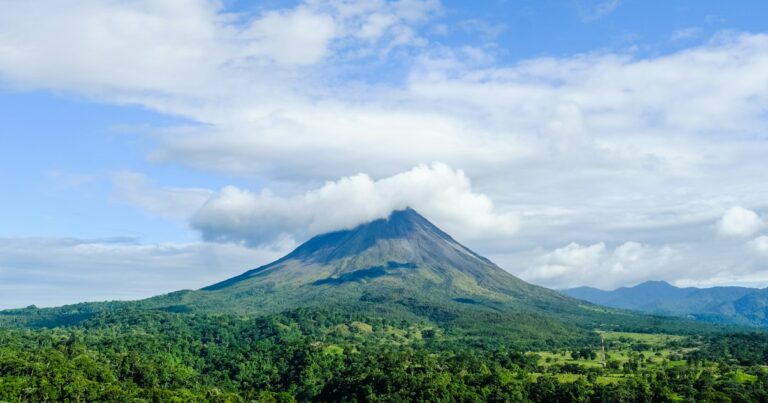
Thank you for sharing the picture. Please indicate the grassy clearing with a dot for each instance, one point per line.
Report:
(741, 377)
(609, 379)
(623, 352)
(564, 378)
(654, 339)
(568, 378)
(548, 358)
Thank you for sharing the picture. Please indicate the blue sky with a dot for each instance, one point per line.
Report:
(151, 146)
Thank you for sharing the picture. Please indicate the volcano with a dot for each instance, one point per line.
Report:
(406, 268)
(400, 268)
(403, 249)
(402, 257)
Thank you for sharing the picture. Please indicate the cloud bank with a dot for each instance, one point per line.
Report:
(632, 262)
(442, 194)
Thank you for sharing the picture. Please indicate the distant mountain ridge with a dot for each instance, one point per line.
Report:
(739, 305)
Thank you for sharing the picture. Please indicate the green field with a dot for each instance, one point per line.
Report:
(626, 353)
(654, 349)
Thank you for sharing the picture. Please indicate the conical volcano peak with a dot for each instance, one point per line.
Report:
(403, 226)
(405, 223)
(406, 215)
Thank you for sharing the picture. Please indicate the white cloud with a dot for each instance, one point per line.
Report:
(167, 202)
(576, 255)
(292, 37)
(705, 263)
(608, 115)
(760, 245)
(576, 265)
(739, 222)
(73, 270)
(440, 193)
(157, 52)
(111, 48)
(601, 114)
(312, 141)
(374, 20)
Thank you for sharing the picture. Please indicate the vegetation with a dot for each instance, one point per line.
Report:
(331, 355)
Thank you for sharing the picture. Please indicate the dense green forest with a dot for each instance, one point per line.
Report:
(324, 355)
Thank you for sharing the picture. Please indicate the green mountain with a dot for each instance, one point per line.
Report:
(403, 268)
(739, 305)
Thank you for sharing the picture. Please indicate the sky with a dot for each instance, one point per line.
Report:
(151, 146)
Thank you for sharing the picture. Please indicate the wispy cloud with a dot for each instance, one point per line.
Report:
(73, 269)
(686, 34)
(593, 10)
(486, 30)
(167, 202)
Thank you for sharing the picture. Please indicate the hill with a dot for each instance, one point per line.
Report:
(738, 305)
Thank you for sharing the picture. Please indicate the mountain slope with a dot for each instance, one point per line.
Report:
(405, 244)
(740, 305)
(404, 250)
